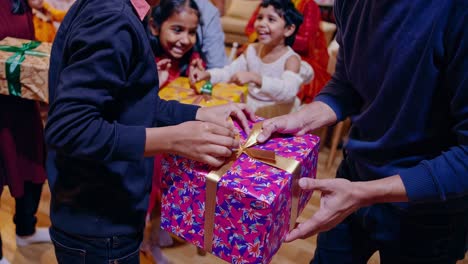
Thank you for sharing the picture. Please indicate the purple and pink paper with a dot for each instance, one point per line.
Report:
(253, 200)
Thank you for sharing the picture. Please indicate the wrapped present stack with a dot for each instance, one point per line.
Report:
(241, 211)
(24, 68)
(205, 94)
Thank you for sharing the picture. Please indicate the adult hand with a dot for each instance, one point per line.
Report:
(244, 77)
(310, 117)
(202, 141)
(220, 115)
(163, 70)
(338, 201)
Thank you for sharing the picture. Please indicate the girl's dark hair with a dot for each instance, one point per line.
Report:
(167, 8)
(286, 10)
(161, 13)
(19, 7)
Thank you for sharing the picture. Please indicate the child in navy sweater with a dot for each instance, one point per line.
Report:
(105, 123)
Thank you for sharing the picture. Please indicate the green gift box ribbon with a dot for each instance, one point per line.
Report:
(13, 63)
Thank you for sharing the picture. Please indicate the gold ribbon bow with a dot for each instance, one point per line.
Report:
(266, 156)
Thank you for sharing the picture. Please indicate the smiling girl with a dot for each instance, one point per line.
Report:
(174, 27)
(272, 70)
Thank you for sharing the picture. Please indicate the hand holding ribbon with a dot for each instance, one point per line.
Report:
(265, 156)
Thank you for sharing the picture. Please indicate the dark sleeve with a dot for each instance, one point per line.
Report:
(339, 93)
(175, 112)
(101, 50)
(446, 176)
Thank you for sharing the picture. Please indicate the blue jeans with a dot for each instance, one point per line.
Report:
(399, 235)
(74, 249)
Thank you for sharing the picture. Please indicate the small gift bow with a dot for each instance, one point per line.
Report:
(12, 64)
(266, 156)
(207, 88)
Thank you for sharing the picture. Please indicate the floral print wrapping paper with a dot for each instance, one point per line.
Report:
(253, 200)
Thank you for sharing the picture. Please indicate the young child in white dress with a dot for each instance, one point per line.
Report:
(273, 71)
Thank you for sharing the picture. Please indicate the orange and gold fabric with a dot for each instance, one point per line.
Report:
(43, 22)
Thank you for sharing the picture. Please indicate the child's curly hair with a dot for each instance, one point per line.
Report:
(286, 10)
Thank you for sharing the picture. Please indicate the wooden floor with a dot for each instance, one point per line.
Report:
(298, 252)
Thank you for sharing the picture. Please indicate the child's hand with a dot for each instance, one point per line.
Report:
(163, 70)
(196, 65)
(220, 115)
(245, 77)
(196, 72)
(202, 141)
(197, 76)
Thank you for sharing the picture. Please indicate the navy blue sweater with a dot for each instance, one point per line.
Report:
(401, 75)
(103, 94)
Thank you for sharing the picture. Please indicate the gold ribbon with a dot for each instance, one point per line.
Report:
(266, 156)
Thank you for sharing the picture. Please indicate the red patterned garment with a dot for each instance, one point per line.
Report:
(178, 68)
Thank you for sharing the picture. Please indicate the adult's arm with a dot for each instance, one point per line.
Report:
(96, 70)
(339, 93)
(212, 36)
(439, 179)
(446, 176)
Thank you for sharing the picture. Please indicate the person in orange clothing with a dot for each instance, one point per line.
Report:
(44, 18)
(310, 44)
